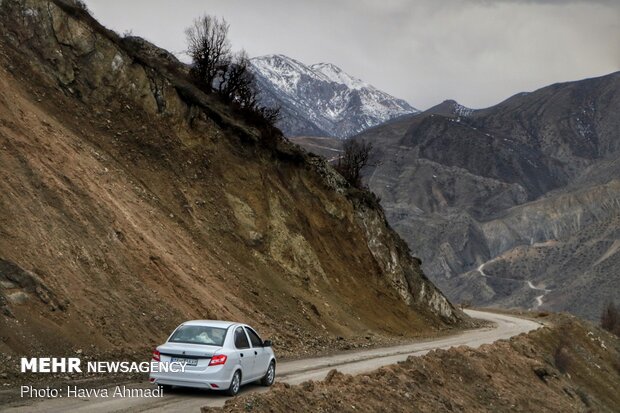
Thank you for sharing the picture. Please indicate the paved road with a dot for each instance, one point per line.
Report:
(292, 372)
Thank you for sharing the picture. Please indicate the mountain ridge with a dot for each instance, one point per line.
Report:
(461, 185)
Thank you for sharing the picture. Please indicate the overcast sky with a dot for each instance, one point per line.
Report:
(477, 52)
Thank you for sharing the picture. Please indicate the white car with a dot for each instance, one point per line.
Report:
(219, 355)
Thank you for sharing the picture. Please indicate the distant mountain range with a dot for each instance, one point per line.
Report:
(516, 205)
(321, 99)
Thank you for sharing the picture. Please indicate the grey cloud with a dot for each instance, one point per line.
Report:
(552, 2)
(475, 51)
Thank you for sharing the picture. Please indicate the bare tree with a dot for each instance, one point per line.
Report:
(216, 68)
(209, 48)
(238, 83)
(354, 158)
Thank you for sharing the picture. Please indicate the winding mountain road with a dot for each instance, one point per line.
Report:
(292, 372)
(538, 298)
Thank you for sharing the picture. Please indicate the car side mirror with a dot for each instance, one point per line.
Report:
(267, 343)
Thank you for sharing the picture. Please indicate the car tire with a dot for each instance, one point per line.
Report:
(166, 387)
(270, 376)
(235, 384)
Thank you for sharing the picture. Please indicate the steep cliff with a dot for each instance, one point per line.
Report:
(130, 201)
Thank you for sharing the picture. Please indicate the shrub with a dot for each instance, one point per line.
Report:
(81, 5)
(562, 358)
(610, 318)
(355, 156)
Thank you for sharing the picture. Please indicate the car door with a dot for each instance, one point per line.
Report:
(262, 356)
(245, 353)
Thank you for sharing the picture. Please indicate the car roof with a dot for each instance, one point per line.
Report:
(211, 323)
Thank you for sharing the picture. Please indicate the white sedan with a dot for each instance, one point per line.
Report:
(218, 355)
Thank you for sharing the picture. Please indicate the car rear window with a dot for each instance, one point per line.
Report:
(212, 336)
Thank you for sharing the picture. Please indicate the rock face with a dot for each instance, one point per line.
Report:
(528, 187)
(321, 99)
(131, 201)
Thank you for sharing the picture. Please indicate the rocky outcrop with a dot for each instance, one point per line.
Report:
(558, 252)
(18, 286)
(389, 250)
(393, 256)
(552, 218)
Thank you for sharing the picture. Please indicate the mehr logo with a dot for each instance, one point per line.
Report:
(72, 365)
(51, 365)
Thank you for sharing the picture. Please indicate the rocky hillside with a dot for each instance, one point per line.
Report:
(517, 204)
(568, 366)
(321, 99)
(130, 201)
(560, 252)
(514, 205)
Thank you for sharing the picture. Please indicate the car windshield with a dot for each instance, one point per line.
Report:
(212, 336)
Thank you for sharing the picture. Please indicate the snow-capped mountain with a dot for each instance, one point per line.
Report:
(321, 99)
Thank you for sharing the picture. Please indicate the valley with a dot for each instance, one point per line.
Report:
(529, 188)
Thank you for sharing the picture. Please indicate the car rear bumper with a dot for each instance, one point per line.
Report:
(209, 384)
(217, 380)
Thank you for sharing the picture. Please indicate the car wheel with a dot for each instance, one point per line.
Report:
(270, 376)
(235, 384)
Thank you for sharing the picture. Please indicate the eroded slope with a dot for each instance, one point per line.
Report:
(130, 202)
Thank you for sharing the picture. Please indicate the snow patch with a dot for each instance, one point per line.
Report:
(117, 62)
(326, 95)
(462, 111)
(336, 75)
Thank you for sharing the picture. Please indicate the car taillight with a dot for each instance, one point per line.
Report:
(156, 355)
(218, 360)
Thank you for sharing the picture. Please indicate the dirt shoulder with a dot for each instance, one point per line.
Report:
(569, 366)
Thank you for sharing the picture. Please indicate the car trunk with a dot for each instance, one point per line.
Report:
(196, 356)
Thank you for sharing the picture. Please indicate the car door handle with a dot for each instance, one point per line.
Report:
(241, 354)
(255, 353)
